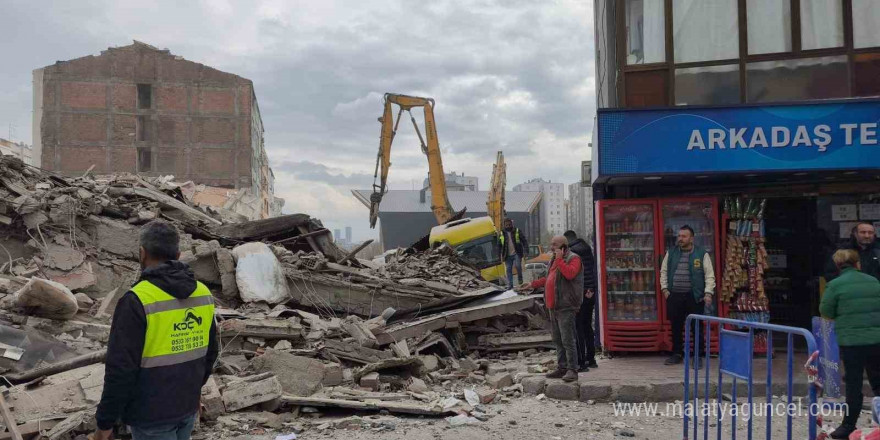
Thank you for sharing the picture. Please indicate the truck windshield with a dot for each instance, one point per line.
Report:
(482, 252)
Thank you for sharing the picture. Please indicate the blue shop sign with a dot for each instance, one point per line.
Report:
(815, 136)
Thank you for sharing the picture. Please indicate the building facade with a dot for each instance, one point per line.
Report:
(704, 105)
(580, 213)
(552, 204)
(143, 110)
(456, 182)
(20, 150)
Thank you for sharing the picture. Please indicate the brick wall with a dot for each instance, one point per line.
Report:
(197, 127)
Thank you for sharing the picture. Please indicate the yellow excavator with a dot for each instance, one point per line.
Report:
(474, 239)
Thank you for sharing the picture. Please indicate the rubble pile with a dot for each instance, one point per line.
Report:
(303, 326)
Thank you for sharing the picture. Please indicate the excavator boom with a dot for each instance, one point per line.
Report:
(439, 200)
(495, 203)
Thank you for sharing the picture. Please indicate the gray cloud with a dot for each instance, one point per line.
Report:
(511, 75)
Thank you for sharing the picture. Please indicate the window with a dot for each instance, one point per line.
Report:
(707, 85)
(867, 70)
(792, 80)
(145, 92)
(866, 16)
(705, 30)
(482, 252)
(769, 26)
(821, 24)
(143, 128)
(144, 160)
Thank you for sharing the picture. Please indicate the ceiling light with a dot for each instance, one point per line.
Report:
(830, 178)
(702, 177)
(751, 175)
(653, 178)
(800, 174)
(850, 173)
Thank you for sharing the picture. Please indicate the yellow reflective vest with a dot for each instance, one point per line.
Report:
(178, 330)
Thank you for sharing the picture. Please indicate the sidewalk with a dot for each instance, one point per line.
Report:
(645, 378)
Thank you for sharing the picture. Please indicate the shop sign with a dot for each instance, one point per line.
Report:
(869, 211)
(815, 136)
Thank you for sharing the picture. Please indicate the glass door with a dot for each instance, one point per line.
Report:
(629, 262)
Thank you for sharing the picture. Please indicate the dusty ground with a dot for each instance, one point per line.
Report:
(522, 419)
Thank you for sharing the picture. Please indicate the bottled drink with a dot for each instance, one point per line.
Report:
(612, 309)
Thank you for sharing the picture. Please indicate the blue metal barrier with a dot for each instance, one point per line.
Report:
(735, 355)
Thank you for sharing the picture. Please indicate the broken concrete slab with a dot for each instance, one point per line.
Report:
(262, 328)
(431, 362)
(47, 299)
(418, 386)
(333, 375)
(499, 381)
(84, 301)
(212, 400)
(355, 353)
(447, 319)
(203, 267)
(81, 278)
(298, 375)
(62, 257)
(408, 367)
(370, 381)
(355, 327)
(243, 394)
(226, 266)
(259, 275)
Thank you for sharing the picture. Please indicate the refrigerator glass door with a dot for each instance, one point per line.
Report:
(697, 215)
(630, 263)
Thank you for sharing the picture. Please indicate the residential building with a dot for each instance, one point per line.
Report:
(337, 234)
(456, 182)
(144, 110)
(552, 203)
(405, 216)
(20, 150)
(580, 218)
(348, 234)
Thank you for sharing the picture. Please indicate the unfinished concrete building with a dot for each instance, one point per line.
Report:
(144, 110)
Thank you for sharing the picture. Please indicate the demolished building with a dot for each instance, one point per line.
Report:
(315, 327)
(144, 110)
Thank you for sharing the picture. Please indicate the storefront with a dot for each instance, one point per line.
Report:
(769, 190)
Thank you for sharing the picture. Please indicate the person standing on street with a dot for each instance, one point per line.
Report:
(513, 248)
(586, 344)
(563, 295)
(864, 241)
(687, 281)
(852, 300)
(162, 347)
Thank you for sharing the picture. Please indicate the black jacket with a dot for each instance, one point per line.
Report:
(145, 397)
(521, 246)
(583, 250)
(868, 257)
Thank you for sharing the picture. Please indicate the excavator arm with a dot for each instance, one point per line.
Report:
(495, 203)
(439, 200)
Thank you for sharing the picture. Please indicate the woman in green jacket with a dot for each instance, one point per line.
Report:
(852, 300)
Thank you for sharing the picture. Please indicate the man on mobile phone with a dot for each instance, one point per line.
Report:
(586, 345)
(563, 294)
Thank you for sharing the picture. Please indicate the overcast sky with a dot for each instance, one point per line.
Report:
(511, 75)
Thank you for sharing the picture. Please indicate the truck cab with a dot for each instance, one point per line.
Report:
(475, 241)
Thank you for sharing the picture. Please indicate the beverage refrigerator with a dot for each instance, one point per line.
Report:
(633, 236)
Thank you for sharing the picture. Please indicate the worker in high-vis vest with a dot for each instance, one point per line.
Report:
(162, 348)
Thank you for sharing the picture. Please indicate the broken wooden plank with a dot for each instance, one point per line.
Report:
(355, 251)
(452, 318)
(8, 420)
(372, 405)
(72, 422)
(262, 328)
(70, 364)
(369, 396)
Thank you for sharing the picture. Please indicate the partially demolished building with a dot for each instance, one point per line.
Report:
(144, 110)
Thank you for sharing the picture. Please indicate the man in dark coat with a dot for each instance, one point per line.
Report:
(586, 345)
(864, 241)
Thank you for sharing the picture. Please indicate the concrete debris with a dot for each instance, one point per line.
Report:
(302, 324)
(259, 274)
(47, 299)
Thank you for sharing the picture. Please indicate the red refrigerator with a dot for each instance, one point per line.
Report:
(633, 237)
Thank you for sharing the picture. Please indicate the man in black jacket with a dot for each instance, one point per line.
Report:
(513, 248)
(586, 345)
(162, 347)
(864, 241)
